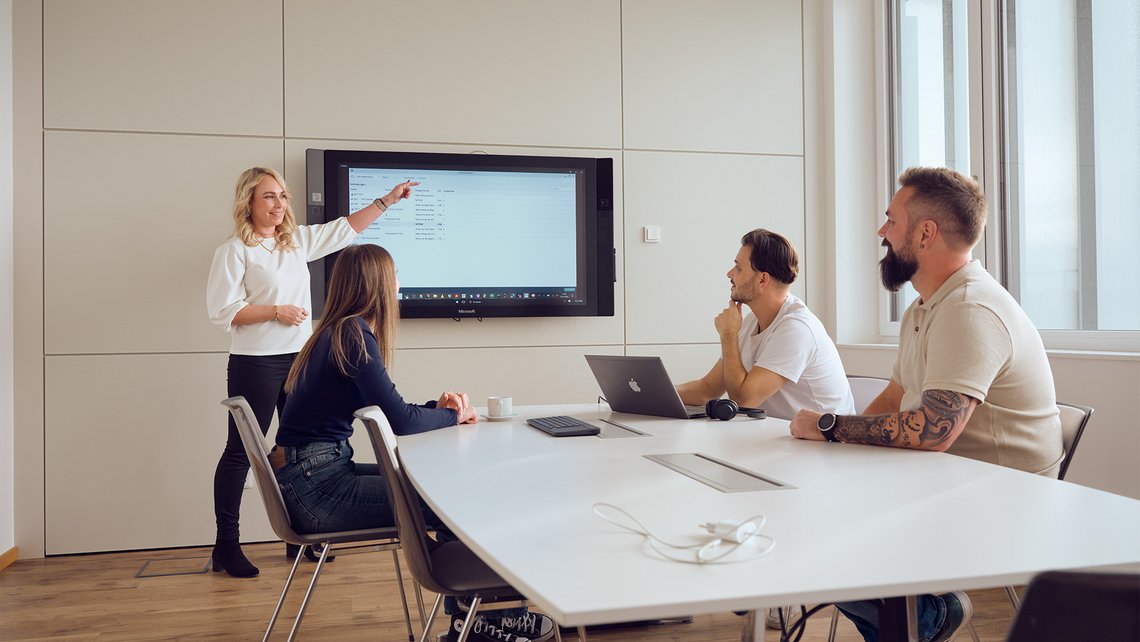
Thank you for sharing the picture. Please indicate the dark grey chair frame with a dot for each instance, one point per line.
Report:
(446, 568)
(1072, 605)
(385, 538)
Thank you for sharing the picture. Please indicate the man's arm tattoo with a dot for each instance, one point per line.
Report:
(929, 426)
(942, 410)
(876, 430)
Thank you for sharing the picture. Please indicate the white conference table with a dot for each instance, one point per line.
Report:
(856, 522)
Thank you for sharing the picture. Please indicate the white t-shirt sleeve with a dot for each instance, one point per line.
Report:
(789, 350)
(323, 239)
(225, 288)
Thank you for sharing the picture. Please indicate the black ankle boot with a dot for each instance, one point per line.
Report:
(227, 556)
(310, 554)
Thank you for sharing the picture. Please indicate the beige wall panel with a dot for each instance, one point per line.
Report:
(437, 333)
(540, 375)
(7, 295)
(724, 75)
(131, 222)
(137, 65)
(131, 446)
(545, 375)
(27, 232)
(676, 287)
(868, 360)
(508, 71)
(683, 362)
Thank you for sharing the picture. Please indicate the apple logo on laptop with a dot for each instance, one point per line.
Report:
(633, 385)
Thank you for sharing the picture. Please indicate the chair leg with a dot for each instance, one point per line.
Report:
(581, 634)
(468, 622)
(557, 633)
(284, 592)
(431, 617)
(419, 601)
(834, 623)
(403, 596)
(1012, 593)
(748, 631)
(309, 591)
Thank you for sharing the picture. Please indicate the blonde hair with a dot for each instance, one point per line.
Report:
(362, 286)
(243, 199)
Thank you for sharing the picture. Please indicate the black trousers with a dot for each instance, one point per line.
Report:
(261, 380)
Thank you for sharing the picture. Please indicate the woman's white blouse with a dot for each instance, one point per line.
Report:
(241, 275)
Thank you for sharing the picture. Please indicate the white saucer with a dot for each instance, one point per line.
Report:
(501, 417)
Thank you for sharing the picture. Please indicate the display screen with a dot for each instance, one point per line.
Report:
(483, 235)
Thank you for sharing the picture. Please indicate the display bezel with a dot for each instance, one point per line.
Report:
(595, 255)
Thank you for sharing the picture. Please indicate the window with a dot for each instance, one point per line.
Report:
(931, 98)
(1061, 139)
(1071, 161)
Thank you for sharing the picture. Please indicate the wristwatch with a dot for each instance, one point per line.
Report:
(826, 425)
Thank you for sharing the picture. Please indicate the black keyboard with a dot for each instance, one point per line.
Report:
(563, 426)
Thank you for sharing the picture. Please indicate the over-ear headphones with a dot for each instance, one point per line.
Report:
(725, 409)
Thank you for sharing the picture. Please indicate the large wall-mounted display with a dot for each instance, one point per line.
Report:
(481, 235)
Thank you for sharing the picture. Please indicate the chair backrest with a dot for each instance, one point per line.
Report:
(1063, 606)
(254, 444)
(405, 500)
(865, 389)
(1074, 418)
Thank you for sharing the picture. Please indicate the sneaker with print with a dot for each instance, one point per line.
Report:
(530, 627)
(535, 627)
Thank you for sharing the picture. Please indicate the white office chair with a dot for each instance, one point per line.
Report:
(865, 389)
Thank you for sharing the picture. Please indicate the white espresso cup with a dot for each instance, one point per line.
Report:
(499, 407)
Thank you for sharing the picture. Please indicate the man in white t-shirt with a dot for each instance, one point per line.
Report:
(777, 355)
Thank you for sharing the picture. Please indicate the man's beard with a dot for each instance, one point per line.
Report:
(896, 269)
(742, 294)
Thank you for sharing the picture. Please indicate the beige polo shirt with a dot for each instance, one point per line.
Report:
(973, 338)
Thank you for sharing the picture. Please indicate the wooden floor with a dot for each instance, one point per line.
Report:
(101, 597)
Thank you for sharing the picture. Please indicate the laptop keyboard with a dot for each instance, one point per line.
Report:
(695, 411)
(563, 426)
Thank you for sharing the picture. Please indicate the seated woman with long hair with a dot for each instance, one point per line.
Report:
(342, 368)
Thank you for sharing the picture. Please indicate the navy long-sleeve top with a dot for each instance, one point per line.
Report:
(322, 404)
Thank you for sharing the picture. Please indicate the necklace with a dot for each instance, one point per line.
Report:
(271, 250)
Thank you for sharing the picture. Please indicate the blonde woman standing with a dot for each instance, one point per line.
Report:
(258, 292)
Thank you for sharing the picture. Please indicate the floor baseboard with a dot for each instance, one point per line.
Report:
(9, 556)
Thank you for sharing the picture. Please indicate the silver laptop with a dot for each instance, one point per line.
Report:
(640, 386)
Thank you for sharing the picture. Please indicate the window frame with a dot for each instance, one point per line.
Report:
(988, 139)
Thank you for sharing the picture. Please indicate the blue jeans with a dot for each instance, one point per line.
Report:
(324, 491)
(930, 609)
